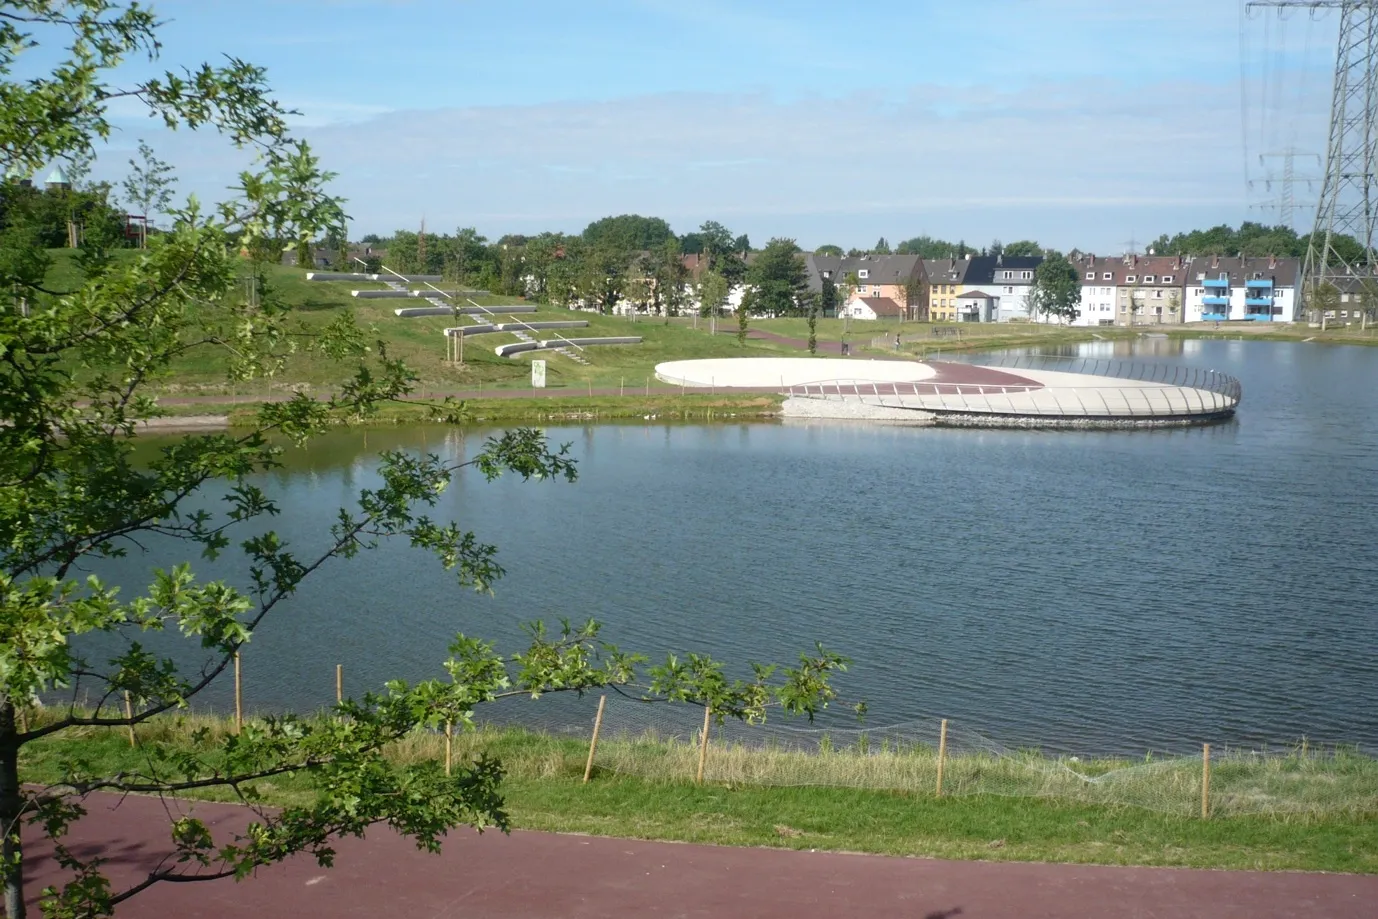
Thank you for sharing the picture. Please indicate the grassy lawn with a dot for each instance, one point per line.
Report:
(642, 789)
(626, 368)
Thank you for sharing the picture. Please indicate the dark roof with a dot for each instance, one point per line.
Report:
(882, 306)
(946, 270)
(880, 269)
(1093, 269)
(1283, 272)
(975, 295)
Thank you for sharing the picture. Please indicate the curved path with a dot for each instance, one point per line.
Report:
(538, 875)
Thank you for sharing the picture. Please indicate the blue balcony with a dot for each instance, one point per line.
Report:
(1215, 317)
(1215, 301)
(1264, 302)
(1216, 282)
(1255, 284)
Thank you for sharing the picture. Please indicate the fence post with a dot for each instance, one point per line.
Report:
(129, 714)
(1205, 781)
(942, 755)
(593, 741)
(339, 683)
(238, 697)
(449, 745)
(703, 743)
(648, 386)
(622, 387)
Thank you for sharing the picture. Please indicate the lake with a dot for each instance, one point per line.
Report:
(1084, 591)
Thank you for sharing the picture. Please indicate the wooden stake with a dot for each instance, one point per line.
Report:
(1205, 781)
(703, 743)
(593, 741)
(238, 697)
(942, 755)
(129, 713)
(339, 683)
(23, 719)
(450, 745)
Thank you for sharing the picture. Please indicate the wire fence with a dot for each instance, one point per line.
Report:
(934, 757)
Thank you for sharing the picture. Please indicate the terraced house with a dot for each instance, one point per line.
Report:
(1131, 290)
(996, 288)
(1233, 288)
(946, 284)
(896, 278)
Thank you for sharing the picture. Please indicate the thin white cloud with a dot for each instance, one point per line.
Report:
(1079, 163)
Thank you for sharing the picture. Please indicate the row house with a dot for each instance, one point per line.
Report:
(996, 288)
(1171, 290)
(875, 277)
(1233, 288)
(945, 286)
(1131, 290)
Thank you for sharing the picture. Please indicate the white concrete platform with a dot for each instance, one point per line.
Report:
(765, 372)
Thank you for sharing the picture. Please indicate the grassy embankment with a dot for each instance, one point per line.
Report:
(197, 384)
(642, 788)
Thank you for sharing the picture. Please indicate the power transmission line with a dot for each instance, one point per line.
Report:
(1347, 201)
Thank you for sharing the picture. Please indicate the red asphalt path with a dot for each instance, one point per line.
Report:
(537, 875)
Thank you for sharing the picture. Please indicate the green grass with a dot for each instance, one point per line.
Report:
(623, 367)
(642, 788)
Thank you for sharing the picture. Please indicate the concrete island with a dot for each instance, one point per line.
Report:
(1014, 392)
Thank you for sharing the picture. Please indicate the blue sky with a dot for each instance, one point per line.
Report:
(1077, 122)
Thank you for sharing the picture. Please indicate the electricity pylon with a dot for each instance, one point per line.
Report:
(1348, 199)
(1286, 203)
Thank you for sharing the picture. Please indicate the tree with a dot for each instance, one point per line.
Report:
(829, 249)
(713, 289)
(148, 186)
(72, 493)
(1023, 248)
(995, 248)
(926, 247)
(603, 274)
(812, 308)
(909, 294)
(720, 251)
(628, 232)
(665, 266)
(777, 280)
(882, 247)
(827, 299)
(1056, 289)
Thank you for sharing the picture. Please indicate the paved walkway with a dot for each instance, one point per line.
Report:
(537, 875)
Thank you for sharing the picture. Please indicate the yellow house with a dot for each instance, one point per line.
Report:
(946, 277)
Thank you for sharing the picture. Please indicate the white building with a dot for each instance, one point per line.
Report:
(1237, 288)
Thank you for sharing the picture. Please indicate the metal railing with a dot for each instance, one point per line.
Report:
(1164, 374)
(1089, 403)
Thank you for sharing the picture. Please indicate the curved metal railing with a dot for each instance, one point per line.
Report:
(1171, 393)
(1165, 374)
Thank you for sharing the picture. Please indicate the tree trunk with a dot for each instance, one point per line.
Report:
(11, 855)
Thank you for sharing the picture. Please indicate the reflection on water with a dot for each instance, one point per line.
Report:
(1094, 591)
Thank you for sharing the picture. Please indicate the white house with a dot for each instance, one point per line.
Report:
(1237, 288)
(872, 308)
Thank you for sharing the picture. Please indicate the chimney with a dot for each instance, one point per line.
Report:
(1272, 262)
(1215, 261)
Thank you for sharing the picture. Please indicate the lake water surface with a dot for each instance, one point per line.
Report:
(1087, 591)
